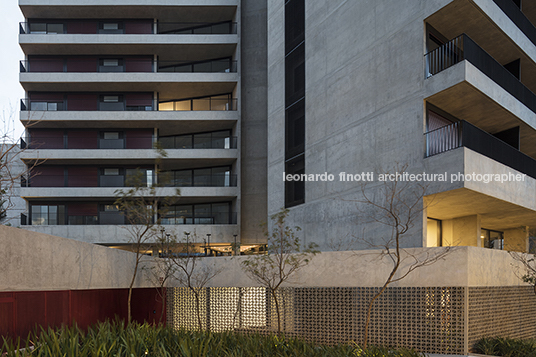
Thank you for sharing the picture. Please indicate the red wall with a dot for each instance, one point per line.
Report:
(20, 311)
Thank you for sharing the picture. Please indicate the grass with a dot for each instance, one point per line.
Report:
(506, 347)
(140, 340)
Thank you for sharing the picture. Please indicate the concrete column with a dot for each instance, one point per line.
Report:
(462, 231)
(516, 239)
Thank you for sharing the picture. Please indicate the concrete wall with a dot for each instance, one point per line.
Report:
(253, 174)
(35, 261)
(517, 239)
(461, 267)
(364, 81)
(463, 231)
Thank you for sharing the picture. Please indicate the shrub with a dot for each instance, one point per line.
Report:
(119, 339)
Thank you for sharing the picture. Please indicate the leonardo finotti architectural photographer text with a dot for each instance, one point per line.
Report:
(405, 176)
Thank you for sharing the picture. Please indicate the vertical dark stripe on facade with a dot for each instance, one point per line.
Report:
(294, 100)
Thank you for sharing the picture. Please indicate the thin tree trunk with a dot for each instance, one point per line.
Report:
(197, 308)
(277, 312)
(129, 310)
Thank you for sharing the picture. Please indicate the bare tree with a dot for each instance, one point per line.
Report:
(284, 259)
(395, 206)
(12, 169)
(143, 206)
(160, 271)
(527, 271)
(191, 271)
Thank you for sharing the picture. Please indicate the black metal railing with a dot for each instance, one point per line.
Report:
(463, 48)
(518, 17)
(94, 65)
(197, 28)
(465, 134)
(198, 141)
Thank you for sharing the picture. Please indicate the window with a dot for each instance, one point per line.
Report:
(110, 62)
(294, 100)
(492, 239)
(111, 135)
(110, 99)
(47, 215)
(110, 26)
(111, 172)
(111, 208)
(208, 213)
(295, 190)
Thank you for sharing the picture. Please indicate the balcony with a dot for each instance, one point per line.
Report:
(141, 26)
(113, 102)
(215, 140)
(124, 64)
(117, 181)
(464, 134)
(463, 48)
(518, 17)
(117, 218)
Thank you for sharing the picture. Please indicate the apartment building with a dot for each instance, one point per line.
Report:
(240, 92)
(443, 87)
(107, 80)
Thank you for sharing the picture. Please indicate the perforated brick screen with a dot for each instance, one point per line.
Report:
(427, 319)
(508, 311)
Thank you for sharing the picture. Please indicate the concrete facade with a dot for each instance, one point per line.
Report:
(186, 44)
(368, 98)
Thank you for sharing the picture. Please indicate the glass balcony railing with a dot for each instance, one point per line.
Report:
(85, 142)
(199, 141)
(170, 179)
(463, 48)
(126, 27)
(98, 65)
(216, 103)
(191, 141)
(117, 218)
(464, 134)
(197, 28)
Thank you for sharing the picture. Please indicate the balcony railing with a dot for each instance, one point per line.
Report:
(464, 134)
(214, 218)
(95, 65)
(218, 103)
(214, 66)
(127, 27)
(173, 180)
(117, 218)
(197, 28)
(177, 179)
(518, 17)
(84, 142)
(198, 141)
(197, 104)
(463, 48)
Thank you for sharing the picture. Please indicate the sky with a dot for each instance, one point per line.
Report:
(10, 54)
